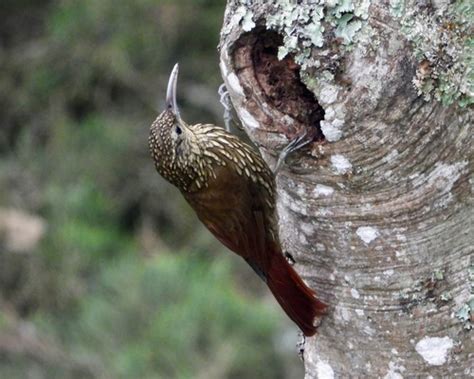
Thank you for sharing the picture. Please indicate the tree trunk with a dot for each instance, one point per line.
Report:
(377, 211)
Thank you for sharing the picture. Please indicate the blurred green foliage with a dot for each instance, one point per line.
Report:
(143, 321)
(125, 283)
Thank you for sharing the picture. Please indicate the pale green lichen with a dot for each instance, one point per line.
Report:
(437, 275)
(242, 16)
(369, 41)
(444, 45)
(315, 84)
(346, 29)
(290, 43)
(304, 26)
(247, 22)
(424, 292)
(466, 313)
(341, 7)
(362, 9)
(397, 7)
(446, 296)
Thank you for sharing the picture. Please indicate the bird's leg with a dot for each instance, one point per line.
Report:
(224, 99)
(294, 145)
(300, 345)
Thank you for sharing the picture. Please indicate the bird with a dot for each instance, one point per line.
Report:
(233, 192)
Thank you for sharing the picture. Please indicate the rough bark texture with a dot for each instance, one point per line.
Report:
(378, 210)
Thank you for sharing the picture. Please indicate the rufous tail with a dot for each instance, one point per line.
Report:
(295, 297)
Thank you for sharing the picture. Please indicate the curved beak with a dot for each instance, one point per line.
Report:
(171, 103)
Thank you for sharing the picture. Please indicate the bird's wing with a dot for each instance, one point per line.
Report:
(239, 214)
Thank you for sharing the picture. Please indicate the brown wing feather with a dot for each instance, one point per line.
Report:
(233, 209)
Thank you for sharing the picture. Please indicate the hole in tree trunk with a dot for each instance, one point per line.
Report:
(276, 82)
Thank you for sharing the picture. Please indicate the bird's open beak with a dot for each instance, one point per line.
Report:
(171, 103)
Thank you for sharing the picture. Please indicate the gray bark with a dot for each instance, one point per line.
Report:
(378, 210)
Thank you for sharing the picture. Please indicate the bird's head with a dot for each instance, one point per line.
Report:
(169, 125)
(171, 141)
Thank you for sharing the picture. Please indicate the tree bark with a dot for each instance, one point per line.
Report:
(377, 211)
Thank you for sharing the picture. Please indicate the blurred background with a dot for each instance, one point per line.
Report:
(105, 272)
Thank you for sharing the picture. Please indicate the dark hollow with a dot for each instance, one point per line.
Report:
(281, 83)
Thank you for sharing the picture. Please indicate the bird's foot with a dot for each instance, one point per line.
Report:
(294, 145)
(224, 99)
(300, 345)
(290, 258)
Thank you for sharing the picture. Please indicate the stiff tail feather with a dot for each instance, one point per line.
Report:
(295, 297)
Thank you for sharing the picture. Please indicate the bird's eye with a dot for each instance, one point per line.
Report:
(178, 130)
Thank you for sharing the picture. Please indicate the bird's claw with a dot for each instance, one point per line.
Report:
(295, 144)
(300, 345)
(290, 258)
(224, 99)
